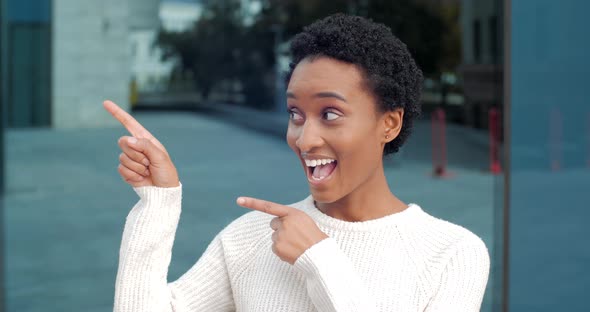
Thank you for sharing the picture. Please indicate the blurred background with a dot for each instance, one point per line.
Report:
(502, 147)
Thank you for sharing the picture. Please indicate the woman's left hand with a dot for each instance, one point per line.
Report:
(294, 230)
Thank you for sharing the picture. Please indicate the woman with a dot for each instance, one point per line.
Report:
(352, 245)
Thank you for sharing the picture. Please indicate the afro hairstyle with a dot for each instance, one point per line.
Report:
(390, 71)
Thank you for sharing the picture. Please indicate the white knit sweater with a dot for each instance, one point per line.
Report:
(408, 261)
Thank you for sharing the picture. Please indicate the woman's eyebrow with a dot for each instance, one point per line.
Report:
(325, 94)
(332, 95)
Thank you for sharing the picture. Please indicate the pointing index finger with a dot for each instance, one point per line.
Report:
(265, 206)
(132, 125)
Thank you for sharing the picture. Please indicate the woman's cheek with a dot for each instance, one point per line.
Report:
(291, 138)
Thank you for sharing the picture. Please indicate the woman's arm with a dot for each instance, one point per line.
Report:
(464, 279)
(145, 253)
(332, 282)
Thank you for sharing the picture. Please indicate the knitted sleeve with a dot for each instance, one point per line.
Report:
(144, 258)
(332, 282)
(464, 278)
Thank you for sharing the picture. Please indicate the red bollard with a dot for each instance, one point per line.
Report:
(439, 145)
(555, 138)
(494, 128)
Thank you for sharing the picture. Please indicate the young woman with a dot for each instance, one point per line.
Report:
(352, 245)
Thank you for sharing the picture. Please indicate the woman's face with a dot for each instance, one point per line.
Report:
(334, 119)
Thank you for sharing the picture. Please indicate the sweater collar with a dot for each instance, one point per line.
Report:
(410, 214)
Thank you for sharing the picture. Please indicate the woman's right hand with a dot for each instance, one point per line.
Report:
(144, 161)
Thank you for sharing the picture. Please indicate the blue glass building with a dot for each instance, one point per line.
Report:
(548, 153)
(542, 237)
(26, 27)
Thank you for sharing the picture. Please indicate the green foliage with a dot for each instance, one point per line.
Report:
(220, 48)
(416, 26)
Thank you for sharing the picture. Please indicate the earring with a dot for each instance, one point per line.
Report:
(387, 136)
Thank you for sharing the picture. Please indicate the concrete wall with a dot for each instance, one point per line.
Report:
(143, 14)
(90, 61)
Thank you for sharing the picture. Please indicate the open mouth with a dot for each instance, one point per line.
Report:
(320, 169)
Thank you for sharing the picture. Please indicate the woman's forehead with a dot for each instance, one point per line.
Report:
(314, 75)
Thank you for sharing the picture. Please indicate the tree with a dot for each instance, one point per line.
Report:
(419, 28)
(208, 50)
(223, 47)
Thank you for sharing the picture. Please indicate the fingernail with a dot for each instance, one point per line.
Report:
(146, 173)
(146, 162)
(132, 140)
(241, 201)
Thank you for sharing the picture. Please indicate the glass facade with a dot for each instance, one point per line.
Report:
(530, 207)
(549, 153)
(27, 63)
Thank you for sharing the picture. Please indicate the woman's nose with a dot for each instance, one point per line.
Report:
(309, 137)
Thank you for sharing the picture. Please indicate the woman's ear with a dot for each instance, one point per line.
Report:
(392, 122)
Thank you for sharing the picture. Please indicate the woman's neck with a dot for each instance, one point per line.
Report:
(371, 200)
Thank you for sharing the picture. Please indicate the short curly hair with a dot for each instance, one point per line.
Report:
(390, 71)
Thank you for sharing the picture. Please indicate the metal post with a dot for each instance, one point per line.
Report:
(2, 97)
(2, 171)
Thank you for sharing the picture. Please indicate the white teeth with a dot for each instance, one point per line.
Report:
(317, 162)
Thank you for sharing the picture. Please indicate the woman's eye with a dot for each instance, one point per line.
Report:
(293, 115)
(330, 116)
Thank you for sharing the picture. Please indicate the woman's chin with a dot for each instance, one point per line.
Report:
(324, 196)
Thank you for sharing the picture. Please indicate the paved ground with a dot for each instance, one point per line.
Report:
(66, 205)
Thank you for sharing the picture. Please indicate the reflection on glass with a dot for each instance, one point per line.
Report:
(191, 71)
(549, 170)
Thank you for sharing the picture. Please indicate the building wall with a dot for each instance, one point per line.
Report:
(483, 13)
(90, 61)
(62, 58)
(26, 27)
(481, 28)
(143, 14)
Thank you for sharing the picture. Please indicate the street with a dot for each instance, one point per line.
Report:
(66, 204)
